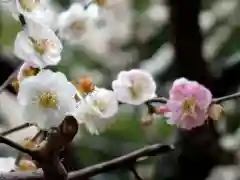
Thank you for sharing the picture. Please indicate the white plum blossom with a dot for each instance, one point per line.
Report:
(75, 22)
(94, 110)
(7, 164)
(46, 97)
(37, 44)
(34, 9)
(134, 86)
(104, 101)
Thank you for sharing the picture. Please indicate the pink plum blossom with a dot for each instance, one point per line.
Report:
(188, 104)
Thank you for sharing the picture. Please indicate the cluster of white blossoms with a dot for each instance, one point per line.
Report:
(47, 96)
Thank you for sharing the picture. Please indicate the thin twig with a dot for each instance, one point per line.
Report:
(215, 100)
(120, 162)
(88, 4)
(22, 20)
(226, 98)
(18, 128)
(157, 100)
(135, 173)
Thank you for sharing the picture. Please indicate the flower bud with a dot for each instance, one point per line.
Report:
(26, 165)
(161, 110)
(28, 143)
(147, 120)
(215, 111)
(85, 85)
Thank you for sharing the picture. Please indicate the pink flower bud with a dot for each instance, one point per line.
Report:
(161, 110)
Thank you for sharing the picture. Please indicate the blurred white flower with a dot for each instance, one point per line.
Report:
(96, 107)
(107, 3)
(134, 86)
(75, 22)
(33, 9)
(46, 98)
(37, 44)
(7, 164)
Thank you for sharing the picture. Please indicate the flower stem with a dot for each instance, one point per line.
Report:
(18, 128)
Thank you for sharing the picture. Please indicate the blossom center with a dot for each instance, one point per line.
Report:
(48, 100)
(77, 27)
(41, 45)
(188, 105)
(29, 5)
(100, 105)
(134, 89)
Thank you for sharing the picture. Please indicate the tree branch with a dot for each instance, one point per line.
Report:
(18, 128)
(16, 146)
(215, 100)
(226, 98)
(120, 162)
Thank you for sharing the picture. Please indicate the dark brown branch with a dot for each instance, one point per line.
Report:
(120, 162)
(156, 100)
(57, 140)
(16, 146)
(18, 128)
(47, 155)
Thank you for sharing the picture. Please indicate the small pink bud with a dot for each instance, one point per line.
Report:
(161, 110)
(215, 111)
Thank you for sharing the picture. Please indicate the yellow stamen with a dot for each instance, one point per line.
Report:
(41, 45)
(134, 91)
(188, 105)
(28, 143)
(29, 5)
(48, 100)
(77, 27)
(100, 105)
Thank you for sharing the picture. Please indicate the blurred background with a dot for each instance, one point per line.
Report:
(199, 40)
